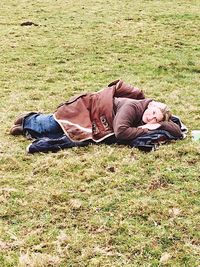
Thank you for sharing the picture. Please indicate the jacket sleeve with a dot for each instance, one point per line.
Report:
(123, 89)
(172, 128)
(124, 123)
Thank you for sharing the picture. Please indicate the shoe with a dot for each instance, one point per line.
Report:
(17, 130)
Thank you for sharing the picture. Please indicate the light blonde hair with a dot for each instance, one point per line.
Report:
(164, 109)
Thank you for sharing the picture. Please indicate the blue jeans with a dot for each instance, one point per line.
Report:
(40, 125)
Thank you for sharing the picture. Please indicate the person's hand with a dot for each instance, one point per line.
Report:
(150, 126)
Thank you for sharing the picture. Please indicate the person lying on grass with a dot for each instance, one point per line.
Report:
(119, 110)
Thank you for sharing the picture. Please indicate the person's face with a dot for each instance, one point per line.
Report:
(152, 115)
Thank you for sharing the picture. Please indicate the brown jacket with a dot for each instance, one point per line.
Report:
(90, 116)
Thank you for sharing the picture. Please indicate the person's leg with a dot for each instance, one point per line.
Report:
(41, 125)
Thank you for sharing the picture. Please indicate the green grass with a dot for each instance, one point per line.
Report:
(99, 205)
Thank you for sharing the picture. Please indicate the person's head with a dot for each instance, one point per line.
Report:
(156, 112)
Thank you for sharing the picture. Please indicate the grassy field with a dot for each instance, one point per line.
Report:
(99, 205)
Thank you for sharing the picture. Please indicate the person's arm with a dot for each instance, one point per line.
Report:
(171, 127)
(123, 123)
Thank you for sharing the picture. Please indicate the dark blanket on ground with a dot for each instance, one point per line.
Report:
(147, 142)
